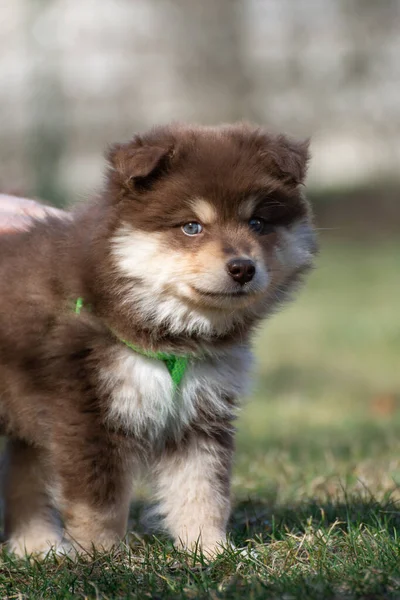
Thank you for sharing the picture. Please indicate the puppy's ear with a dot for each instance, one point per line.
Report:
(290, 158)
(136, 164)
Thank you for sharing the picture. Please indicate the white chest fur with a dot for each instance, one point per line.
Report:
(143, 398)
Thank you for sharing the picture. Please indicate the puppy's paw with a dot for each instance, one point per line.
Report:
(210, 547)
(25, 547)
(212, 550)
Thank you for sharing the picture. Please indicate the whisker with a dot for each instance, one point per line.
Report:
(327, 228)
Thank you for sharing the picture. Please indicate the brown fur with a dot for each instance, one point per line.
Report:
(54, 404)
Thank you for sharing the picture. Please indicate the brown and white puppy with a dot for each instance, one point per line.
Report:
(199, 234)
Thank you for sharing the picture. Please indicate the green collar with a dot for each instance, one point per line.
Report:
(176, 365)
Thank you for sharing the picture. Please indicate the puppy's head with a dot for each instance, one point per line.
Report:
(210, 225)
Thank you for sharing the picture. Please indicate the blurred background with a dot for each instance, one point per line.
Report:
(76, 75)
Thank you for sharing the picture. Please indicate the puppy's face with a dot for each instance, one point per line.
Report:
(211, 224)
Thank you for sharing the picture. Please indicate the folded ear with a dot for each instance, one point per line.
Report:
(136, 162)
(290, 158)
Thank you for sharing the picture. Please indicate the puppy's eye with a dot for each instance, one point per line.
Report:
(192, 228)
(260, 226)
(257, 225)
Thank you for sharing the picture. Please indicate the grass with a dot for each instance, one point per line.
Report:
(317, 475)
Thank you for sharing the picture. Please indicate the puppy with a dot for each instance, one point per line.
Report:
(125, 333)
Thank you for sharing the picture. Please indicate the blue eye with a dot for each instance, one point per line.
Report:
(192, 228)
(257, 225)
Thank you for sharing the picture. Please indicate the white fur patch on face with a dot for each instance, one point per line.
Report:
(144, 401)
(204, 211)
(137, 251)
(141, 255)
(164, 284)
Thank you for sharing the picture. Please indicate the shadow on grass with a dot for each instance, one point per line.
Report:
(264, 518)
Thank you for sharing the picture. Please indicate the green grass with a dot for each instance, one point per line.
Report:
(316, 481)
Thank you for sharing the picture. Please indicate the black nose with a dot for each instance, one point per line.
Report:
(241, 270)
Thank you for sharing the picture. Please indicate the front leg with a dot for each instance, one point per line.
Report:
(193, 488)
(92, 489)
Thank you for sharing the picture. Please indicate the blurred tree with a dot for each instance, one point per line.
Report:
(46, 138)
(208, 40)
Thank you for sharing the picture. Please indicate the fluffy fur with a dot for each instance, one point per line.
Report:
(82, 411)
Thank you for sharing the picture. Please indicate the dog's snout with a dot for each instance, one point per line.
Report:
(241, 270)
